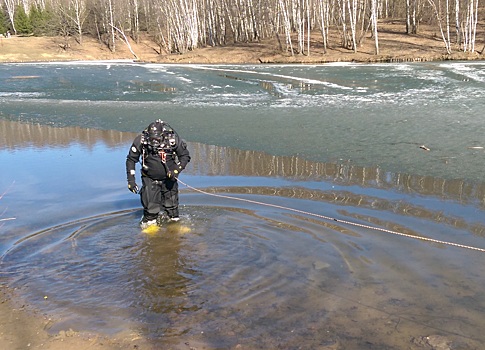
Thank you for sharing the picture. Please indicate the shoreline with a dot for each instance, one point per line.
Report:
(394, 47)
(22, 327)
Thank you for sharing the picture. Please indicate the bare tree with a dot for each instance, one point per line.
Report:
(342, 21)
(412, 20)
(135, 19)
(10, 5)
(286, 25)
(437, 12)
(110, 17)
(374, 25)
(127, 42)
(352, 8)
(470, 26)
(323, 7)
(457, 23)
(74, 11)
(179, 26)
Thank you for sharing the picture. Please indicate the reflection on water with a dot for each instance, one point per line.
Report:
(216, 160)
(236, 273)
(143, 86)
(14, 135)
(356, 114)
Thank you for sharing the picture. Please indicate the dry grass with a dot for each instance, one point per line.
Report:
(394, 45)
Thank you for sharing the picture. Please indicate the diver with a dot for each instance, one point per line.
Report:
(163, 155)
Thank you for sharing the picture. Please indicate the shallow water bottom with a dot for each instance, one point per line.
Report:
(244, 275)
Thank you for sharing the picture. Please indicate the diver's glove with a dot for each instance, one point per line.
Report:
(132, 186)
(173, 174)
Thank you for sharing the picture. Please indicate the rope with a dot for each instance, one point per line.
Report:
(422, 238)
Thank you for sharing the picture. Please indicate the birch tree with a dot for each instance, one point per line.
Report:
(457, 23)
(342, 20)
(412, 9)
(439, 19)
(283, 8)
(10, 6)
(323, 7)
(298, 23)
(309, 26)
(74, 11)
(374, 25)
(352, 8)
(135, 19)
(109, 24)
(179, 26)
(470, 26)
(80, 14)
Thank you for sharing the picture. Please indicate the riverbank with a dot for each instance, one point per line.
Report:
(22, 328)
(394, 46)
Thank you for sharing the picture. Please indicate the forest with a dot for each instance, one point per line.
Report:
(179, 26)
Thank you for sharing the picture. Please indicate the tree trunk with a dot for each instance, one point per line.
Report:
(438, 17)
(457, 23)
(112, 44)
(286, 26)
(126, 41)
(374, 25)
(323, 23)
(135, 21)
(10, 5)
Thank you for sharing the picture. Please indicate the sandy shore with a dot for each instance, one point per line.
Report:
(23, 328)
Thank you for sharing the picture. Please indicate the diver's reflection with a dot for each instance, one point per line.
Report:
(165, 275)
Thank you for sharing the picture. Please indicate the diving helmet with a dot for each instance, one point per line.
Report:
(154, 134)
(159, 136)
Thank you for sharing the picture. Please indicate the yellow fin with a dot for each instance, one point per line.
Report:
(152, 229)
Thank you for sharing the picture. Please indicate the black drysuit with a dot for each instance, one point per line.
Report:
(159, 192)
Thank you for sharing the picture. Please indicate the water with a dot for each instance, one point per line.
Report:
(338, 143)
(370, 115)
